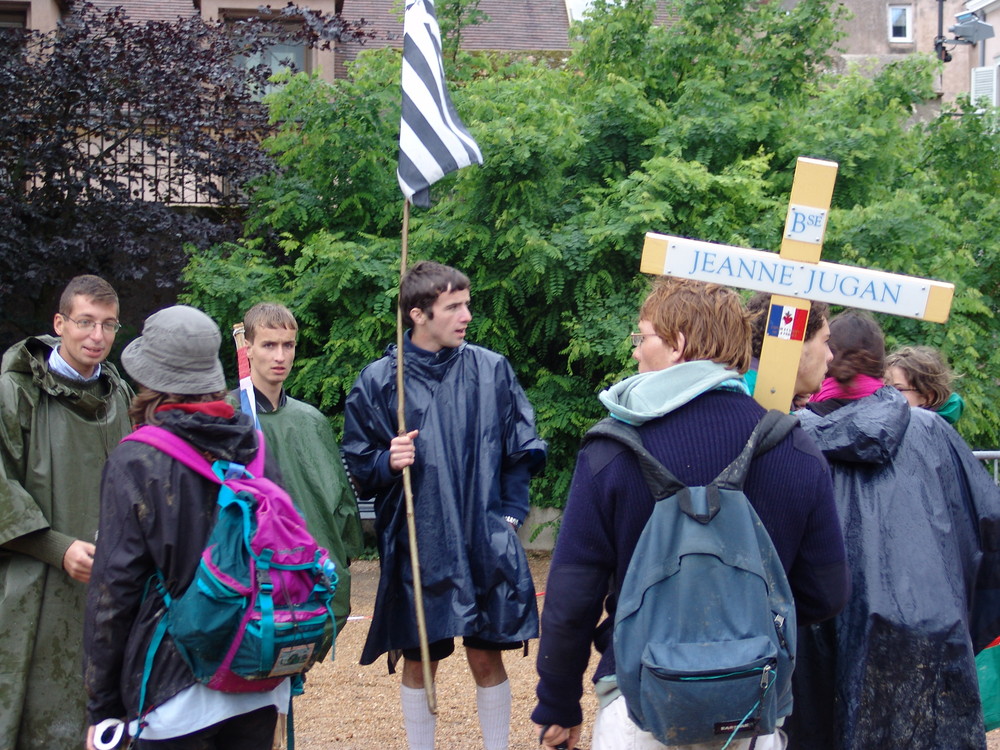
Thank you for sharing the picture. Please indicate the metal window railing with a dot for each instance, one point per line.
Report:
(145, 162)
(993, 456)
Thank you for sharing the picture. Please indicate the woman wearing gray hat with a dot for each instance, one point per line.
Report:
(156, 514)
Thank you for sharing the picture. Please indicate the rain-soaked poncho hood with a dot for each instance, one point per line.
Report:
(31, 358)
(648, 395)
(476, 426)
(951, 410)
(919, 514)
(866, 431)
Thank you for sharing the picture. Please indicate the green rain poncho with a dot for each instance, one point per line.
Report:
(55, 435)
(302, 441)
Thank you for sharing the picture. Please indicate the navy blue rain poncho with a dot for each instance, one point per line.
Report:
(477, 435)
(920, 517)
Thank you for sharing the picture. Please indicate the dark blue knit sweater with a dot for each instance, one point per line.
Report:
(609, 504)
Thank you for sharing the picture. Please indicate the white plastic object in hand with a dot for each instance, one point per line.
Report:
(118, 727)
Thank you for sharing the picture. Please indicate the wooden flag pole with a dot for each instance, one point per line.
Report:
(411, 523)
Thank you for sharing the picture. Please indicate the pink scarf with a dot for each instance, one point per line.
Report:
(861, 386)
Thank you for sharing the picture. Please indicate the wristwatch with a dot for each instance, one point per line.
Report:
(512, 521)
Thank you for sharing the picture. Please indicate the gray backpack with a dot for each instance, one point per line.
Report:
(704, 632)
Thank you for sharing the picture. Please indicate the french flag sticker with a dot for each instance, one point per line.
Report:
(788, 323)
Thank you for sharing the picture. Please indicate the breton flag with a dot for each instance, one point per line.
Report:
(432, 139)
(787, 322)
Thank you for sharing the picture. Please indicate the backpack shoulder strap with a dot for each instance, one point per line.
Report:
(180, 449)
(658, 478)
(175, 447)
(773, 427)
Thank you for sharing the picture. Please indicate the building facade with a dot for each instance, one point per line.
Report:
(881, 31)
(985, 75)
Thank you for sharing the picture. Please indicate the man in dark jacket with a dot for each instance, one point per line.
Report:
(470, 466)
(62, 411)
(691, 407)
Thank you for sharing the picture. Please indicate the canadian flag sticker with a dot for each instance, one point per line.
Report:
(786, 322)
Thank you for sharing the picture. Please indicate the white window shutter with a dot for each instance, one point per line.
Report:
(984, 84)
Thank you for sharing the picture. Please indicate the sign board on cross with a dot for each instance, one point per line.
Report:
(794, 277)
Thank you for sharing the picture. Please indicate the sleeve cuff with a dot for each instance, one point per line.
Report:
(385, 476)
(514, 490)
(48, 546)
(558, 702)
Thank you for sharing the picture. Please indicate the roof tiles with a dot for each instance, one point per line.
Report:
(150, 10)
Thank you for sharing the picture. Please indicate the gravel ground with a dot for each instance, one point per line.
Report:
(350, 707)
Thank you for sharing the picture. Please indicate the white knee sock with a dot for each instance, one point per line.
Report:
(493, 704)
(419, 722)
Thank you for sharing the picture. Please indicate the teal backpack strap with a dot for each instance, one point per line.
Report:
(265, 600)
(154, 646)
(147, 668)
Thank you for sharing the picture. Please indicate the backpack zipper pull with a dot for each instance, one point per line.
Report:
(765, 677)
(779, 626)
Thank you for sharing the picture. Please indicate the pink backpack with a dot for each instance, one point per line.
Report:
(258, 609)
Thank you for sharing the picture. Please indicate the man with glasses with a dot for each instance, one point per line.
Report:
(62, 410)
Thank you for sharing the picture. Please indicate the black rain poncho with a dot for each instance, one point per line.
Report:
(476, 426)
(919, 515)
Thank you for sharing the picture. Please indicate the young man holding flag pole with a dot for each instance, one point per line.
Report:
(476, 451)
(432, 142)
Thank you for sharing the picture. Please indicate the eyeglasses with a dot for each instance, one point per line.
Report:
(87, 325)
(637, 338)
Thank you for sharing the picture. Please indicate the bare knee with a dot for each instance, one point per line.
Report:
(486, 666)
(413, 673)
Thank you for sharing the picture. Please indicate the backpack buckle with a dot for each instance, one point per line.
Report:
(264, 579)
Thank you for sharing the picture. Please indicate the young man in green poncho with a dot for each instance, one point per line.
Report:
(302, 441)
(63, 408)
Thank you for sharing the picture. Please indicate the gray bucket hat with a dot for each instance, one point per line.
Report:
(178, 352)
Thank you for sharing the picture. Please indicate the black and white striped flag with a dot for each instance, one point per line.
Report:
(432, 139)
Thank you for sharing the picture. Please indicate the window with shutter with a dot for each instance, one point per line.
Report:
(13, 18)
(984, 84)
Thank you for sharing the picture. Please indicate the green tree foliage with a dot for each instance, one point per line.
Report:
(692, 130)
